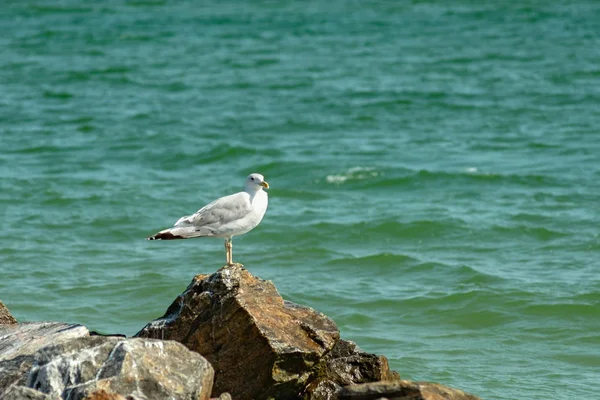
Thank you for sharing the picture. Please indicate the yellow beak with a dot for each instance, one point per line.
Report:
(265, 185)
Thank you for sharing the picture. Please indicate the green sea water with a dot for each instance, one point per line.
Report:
(434, 170)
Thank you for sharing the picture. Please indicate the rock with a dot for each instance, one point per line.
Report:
(223, 396)
(104, 395)
(95, 333)
(322, 389)
(403, 390)
(378, 390)
(6, 317)
(99, 368)
(52, 360)
(436, 391)
(27, 338)
(346, 365)
(260, 345)
(19, 343)
(25, 393)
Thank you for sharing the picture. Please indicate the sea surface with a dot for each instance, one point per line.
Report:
(434, 170)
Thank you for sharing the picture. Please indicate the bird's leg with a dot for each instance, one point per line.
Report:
(228, 250)
(227, 260)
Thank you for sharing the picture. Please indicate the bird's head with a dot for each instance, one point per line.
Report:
(256, 182)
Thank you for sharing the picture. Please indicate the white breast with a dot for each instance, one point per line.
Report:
(249, 221)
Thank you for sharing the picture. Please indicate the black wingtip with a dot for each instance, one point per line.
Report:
(164, 236)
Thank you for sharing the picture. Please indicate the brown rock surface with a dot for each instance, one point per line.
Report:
(104, 395)
(6, 317)
(347, 364)
(403, 390)
(260, 345)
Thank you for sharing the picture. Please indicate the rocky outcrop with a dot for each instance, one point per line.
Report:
(141, 368)
(403, 390)
(263, 347)
(27, 338)
(6, 317)
(260, 345)
(19, 343)
(236, 334)
(54, 360)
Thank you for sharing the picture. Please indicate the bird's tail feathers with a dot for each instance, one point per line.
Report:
(175, 233)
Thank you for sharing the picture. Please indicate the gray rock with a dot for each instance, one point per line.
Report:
(260, 346)
(19, 343)
(6, 317)
(108, 367)
(25, 393)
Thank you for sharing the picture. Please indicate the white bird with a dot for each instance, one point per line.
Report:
(226, 217)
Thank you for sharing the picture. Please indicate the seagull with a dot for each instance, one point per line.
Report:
(225, 217)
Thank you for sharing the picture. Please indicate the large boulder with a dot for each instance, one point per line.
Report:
(99, 367)
(260, 345)
(19, 343)
(6, 317)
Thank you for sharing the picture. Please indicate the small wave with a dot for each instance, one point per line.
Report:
(561, 310)
(391, 228)
(480, 319)
(38, 150)
(528, 217)
(475, 174)
(538, 232)
(307, 195)
(231, 152)
(581, 359)
(48, 9)
(471, 175)
(355, 173)
(375, 259)
(86, 128)
(146, 3)
(136, 37)
(290, 85)
(276, 171)
(116, 69)
(57, 95)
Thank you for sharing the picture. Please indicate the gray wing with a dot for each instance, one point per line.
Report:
(219, 213)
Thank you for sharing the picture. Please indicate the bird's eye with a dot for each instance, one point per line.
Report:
(251, 178)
